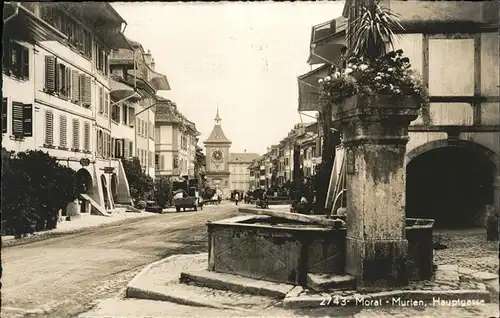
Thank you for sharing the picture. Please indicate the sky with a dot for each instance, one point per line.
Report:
(242, 57)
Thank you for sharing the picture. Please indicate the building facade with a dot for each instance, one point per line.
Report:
(176, 139)
(454, 143)
(133, 71)
(239, 178)
(217, 159)
(56, 90)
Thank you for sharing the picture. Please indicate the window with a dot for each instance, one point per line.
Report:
(162, 162)
(63, 81)
(49, 128)
(78, 38)
(115, 113)
(76, 134)
(131, 148)
(157, 162)
(16, 60)
(63, 129)
(4, 115)
(86, 136)
(99, 143)
(176, 162)
(67, 83)
(22, 115)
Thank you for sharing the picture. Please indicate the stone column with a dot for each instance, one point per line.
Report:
(375, 141)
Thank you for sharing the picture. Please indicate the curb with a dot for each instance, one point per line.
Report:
(135, 289)
(41, 236)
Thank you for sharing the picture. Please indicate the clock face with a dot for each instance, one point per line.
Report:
(217, 155)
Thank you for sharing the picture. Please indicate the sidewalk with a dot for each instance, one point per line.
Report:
(77, 225)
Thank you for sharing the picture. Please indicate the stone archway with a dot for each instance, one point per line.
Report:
(452, 182)
(114, 187)
(84, 181)
(105, 195)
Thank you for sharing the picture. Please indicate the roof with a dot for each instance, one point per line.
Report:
(217, 136)
(245, 157)
(166, 112)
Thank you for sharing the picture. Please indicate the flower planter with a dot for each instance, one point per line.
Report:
(358, 104)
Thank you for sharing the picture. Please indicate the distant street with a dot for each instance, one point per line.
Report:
(60, 277)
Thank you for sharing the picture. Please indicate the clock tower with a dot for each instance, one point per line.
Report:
(217, 155)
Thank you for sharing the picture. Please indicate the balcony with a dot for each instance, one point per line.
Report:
(120, 90)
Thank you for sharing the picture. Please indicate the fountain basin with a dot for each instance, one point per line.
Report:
(283, 250)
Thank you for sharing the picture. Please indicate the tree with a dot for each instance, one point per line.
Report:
(141, 185)
(371, 29)
(34, 188)
(163, 191)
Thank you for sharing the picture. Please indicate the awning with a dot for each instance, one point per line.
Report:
(121, 90)
(309, 88)
(327, 41)
(26, 25)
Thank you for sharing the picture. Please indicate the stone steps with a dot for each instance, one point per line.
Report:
(236, 283)
(326, 282)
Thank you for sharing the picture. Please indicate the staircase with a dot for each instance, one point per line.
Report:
(94, 206)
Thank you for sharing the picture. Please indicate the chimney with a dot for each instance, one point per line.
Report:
(245, 151)
(153, 64)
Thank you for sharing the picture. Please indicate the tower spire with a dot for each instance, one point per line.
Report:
(217, 117)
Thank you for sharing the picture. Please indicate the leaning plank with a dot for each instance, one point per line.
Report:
(311, 219)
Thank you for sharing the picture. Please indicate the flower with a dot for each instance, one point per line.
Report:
(390, 69)
(328, 78)
(348, 71)
(320, 81)
(378, 78)
(354, 67)
(336, 75)
(363, 67)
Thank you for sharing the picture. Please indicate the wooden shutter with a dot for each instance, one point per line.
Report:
(49, 128)
(86, 136)
(4, 115)
(131, 148)
(75, 87)
(67, 83)
(86, 93)
(126, 149)
(17, 119)
(113, 147)
(63, 131)
(162, 162)
(25, 63)
(101, 100)
(104, 144)
(106, 103)
(131, 116)
(76, 134)
(50, 73)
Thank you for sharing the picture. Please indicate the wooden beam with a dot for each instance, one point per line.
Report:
(465, 99)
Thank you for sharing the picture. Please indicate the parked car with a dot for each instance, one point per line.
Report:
(152, 206)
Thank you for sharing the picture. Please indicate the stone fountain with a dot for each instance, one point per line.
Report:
(376, 248)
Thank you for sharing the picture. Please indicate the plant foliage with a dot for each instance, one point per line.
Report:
(34, 188)
(141, 185)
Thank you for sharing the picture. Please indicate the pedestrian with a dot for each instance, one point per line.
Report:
(236, 197)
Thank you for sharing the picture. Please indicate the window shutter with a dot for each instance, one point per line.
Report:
(131, 116)
(101, 99)
(50, 73)
(4, 115)
(86, 136)
(105, 144)
(75, 88)
(106, 103)
(76, 134)
(25, 63)
(126, 152)
(131, 148)
(86, 93)
(113, 144)
(17, 119)
(162, 162)
(63, 129)
(68, 82)
(49, 128)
